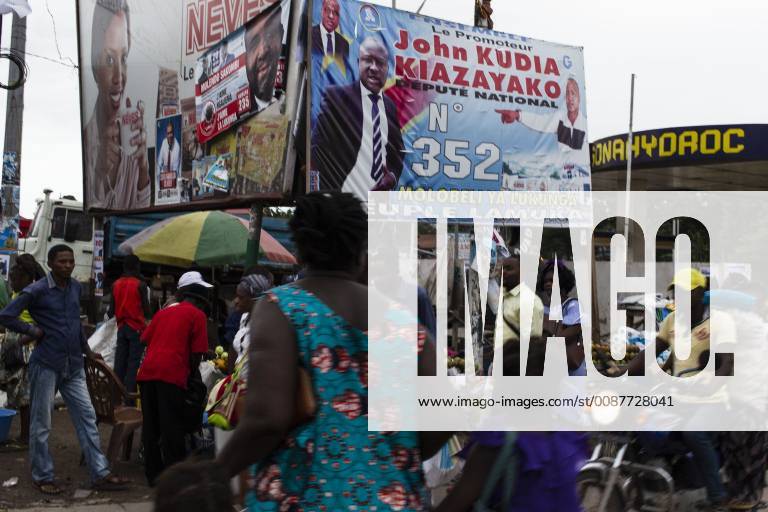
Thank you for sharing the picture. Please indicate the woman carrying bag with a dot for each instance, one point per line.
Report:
(226, 399)
(309, 345)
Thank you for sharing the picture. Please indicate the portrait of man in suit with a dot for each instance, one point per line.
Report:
(569, 126)
(204, 71)
(226, 57)
(326, 40)
(263, 47)
(356, 142)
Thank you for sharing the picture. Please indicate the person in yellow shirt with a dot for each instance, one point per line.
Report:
(701, 444)
(702, 329)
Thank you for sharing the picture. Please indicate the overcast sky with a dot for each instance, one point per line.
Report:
(697, 62)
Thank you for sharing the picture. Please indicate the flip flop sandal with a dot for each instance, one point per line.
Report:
(13, 446)
(49, 488)
(742, 505)
(111, 482)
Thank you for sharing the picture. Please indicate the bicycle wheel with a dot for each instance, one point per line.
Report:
(591, 489)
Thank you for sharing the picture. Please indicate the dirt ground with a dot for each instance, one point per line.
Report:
(65, 451)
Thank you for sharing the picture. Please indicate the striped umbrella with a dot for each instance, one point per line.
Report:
(203, 239)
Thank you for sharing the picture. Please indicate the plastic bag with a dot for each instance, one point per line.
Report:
(104, 341)
(210, 374)
(442, 468)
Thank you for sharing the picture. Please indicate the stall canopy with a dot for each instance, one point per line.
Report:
(202, 239)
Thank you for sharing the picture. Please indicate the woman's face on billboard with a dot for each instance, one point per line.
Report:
(111, 69)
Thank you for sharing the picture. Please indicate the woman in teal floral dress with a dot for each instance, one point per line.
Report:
(332, 462)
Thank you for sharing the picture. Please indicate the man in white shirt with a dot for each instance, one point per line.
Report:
(169, 157)
(511, 302)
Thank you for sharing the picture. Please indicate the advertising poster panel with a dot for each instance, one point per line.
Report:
(243, 73)
(98, 262)
(124, 46)
(138, 59)
(402, 101)
(11, 168)
(222, 94)
(206, 22)
(9, 210)
(168, 183)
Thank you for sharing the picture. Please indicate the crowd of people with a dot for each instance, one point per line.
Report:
(297, 434)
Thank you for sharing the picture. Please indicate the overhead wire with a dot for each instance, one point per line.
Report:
(16, 58)
(49, 59)
(56, 37)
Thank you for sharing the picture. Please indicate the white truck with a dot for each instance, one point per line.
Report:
(61, 221)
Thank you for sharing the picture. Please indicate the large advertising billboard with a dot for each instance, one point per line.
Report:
(402, 101)
(141, 111)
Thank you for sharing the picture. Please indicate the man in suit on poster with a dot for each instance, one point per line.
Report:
(356, 143)
(226, 57)
(326, 40)
(569, 126)
(169, 156)
(263, 48)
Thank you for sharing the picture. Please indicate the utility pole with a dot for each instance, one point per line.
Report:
(14, 108)
(14, 115)
(630, 151)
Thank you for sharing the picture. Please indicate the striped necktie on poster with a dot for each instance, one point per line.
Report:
(376, 166)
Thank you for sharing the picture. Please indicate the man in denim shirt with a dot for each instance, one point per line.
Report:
(57, 364)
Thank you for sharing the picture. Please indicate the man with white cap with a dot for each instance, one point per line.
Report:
(176, 339)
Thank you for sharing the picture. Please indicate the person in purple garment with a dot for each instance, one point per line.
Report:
(548, 463)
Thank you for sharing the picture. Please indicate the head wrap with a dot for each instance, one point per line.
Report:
(255, 284)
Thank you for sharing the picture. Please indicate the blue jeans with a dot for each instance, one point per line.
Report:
(128, 357)
(71, 384)
(702, 445)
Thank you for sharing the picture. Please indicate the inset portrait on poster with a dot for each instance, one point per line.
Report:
(168, 164)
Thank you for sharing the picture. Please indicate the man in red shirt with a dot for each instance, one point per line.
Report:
(130, 307)
(176, 339)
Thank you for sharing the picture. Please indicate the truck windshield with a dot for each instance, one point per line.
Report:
(79, 224)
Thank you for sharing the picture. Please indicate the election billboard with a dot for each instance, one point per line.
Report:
(138, 59)
(241, 74)
(403, 101)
